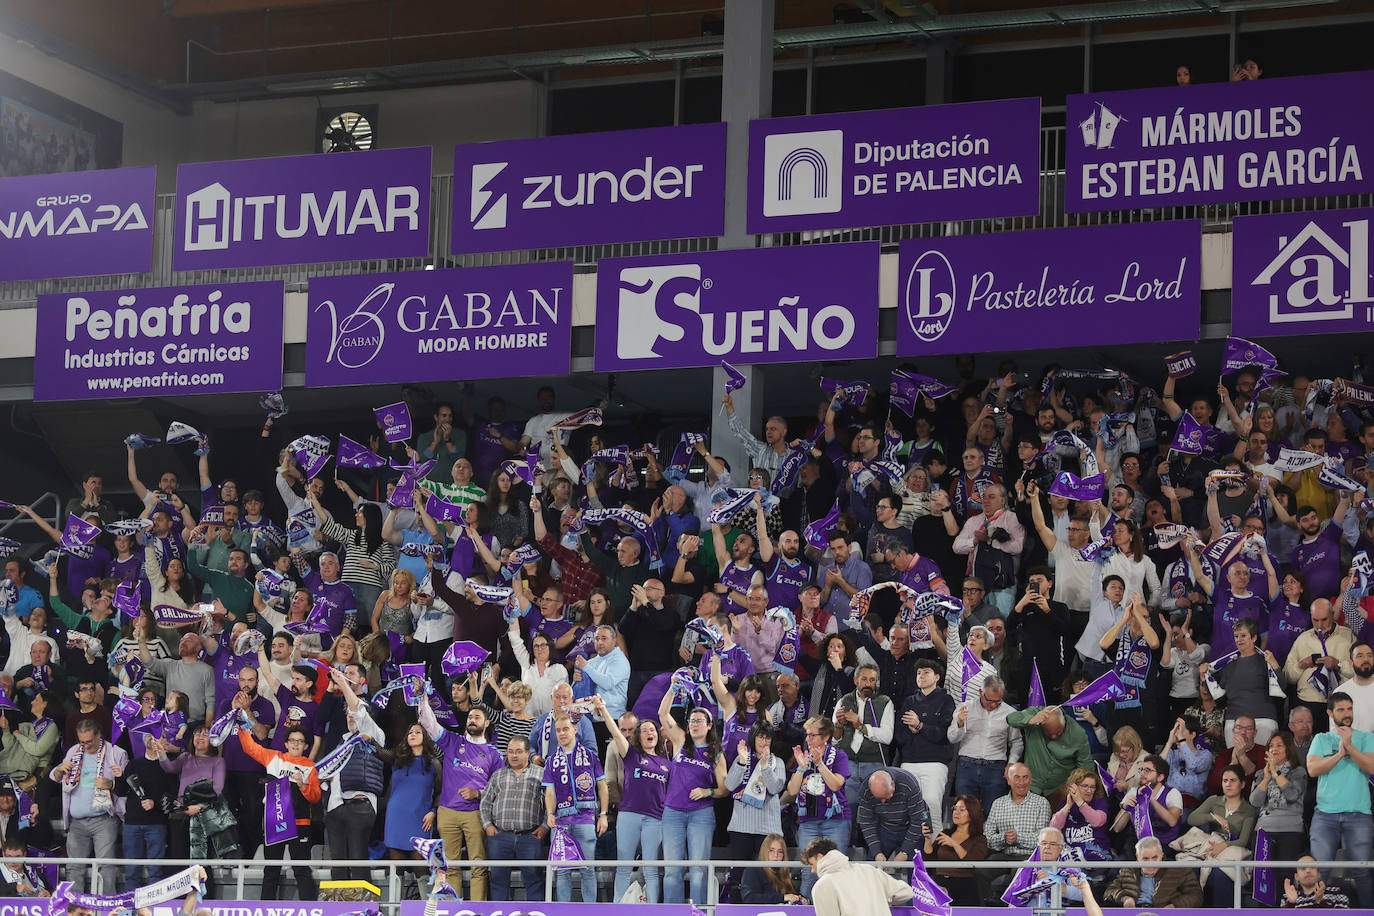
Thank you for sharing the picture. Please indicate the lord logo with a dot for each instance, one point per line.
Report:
(930, 295)
(803, 173)
(1325, 279)
(488, 208)
(646, 297)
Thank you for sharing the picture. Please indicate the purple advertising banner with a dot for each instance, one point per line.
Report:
(503, 908)
(1121, 911)
(172, 340)
(1301, 273)
(583, 189)
(902, 165)
(735, 909)
(303, 209)
(754, 305)
(77, 224)
(432, 325)
(1050, 288)
(1252, 140)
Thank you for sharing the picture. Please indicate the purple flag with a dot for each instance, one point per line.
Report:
(315, 622)
(122, 714)
(1071, 486)
(529, 471)
(279, 811)
(445, 511)
(463, 657)
(972, 665)
(1037, 690)
(1265, 889)
(1108, 783)
(734, 379)
(1107, 687)
(78, 533)
(1240, 353)
(154, 725)
(395, 420)
(311, 453)
(134, 669)
(817, 534)
(1189, 437)
(853, 392)
(1140, 814)
(563, 848)
(1181, 364)
(128, 597)
(1024, 877)
(6, 702)
(353, 455)
(928, 897)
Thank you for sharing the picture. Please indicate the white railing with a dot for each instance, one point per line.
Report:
(85, 872)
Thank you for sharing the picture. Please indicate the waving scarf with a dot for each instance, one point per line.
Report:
(636, 520)
(676, 469)
(587, 416)
(905, 388)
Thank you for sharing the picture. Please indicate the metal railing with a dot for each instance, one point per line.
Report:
(1052, 214)
(85, 872)
(21, 519)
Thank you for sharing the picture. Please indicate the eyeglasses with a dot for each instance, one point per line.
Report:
(1128, 465)
(813, 735)
(970, 588)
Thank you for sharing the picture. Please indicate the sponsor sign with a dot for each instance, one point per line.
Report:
(302, 209)
(1302, 273)
(1049, 288)
(167, 341)
(504, 908)
(430, 325)
(38, 906)
(659, 183)
(903, 165)
(1303, 136)
(755, 305)
(77, 224)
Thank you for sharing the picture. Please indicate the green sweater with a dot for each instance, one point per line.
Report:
(619, 578)
(235, 592)
(107, 631)
(1051, 762)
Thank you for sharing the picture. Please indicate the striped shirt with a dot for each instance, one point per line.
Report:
(757, 821)
(506, 726)
(355, 551)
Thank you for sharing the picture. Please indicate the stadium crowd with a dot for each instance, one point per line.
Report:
(871, 635)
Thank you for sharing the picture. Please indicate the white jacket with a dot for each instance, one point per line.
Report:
(850, 888)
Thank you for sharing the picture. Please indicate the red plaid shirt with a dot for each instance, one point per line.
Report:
(579, 575)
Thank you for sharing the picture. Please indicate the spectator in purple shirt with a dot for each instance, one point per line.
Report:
(469, 762)
(1318, 554)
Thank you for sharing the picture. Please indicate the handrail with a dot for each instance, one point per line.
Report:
(22, 519)
(394, 867)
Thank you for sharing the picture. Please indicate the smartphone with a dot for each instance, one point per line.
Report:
(1035, 588)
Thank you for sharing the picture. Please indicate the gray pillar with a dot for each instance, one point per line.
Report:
(746, 94)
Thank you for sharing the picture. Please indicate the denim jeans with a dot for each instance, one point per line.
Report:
(143, 841)
(516, 846)
(585, 835)
(985, 780)
(832, 829)
(687, 835)
(638, 831)
(1357, 830)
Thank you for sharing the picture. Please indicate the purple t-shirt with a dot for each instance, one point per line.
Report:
(1319, 560)
(646, 783)
(1093, 842)
(338, 596)
(551, 629)
(785, 581)
(696, 770)
(817, 808)
(487, 450)
(467, 765)
(236, 760)
(735, 663)
(922, 575)
(736, 729)
(227, 666)
(1286, 621)
(1227, 610)
(80, 569)
(295, 713)
(738, 580)
(124, 570)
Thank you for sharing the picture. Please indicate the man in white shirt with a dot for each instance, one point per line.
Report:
(537, 427)
(986, 743)
(1360, 687)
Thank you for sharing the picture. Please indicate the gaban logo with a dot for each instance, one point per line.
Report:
(1317, 278)
(804, 173)
(662, 305)
(929, 296)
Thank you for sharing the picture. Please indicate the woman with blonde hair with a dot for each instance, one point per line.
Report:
(1128, 753)
(773, 885)
(397, 610)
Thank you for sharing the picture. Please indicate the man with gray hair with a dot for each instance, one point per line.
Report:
(1013, 824)
(766, 453)
(891, 815)
(864, 723)
(1151, 886)
(986, 743)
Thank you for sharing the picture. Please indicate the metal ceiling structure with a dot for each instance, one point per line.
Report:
(888, 23)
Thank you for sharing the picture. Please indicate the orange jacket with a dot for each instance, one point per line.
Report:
(263, 755)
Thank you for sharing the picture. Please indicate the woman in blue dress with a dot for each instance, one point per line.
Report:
(410, 807)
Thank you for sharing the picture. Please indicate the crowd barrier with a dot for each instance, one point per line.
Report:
(238, 879)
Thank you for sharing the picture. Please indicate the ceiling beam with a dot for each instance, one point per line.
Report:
(185, 9)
